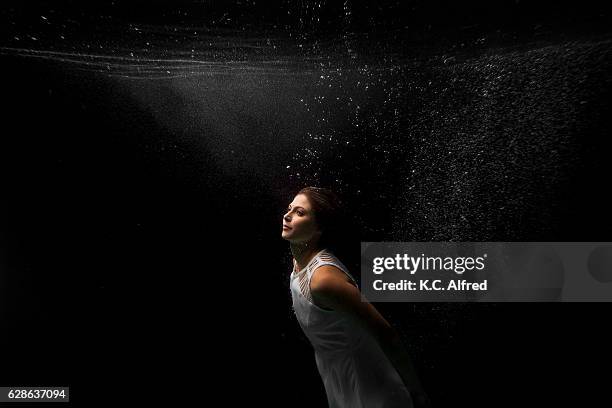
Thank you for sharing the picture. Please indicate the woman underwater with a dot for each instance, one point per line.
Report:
(359, 355)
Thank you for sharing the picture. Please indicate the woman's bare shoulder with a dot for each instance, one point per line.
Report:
(328, 277)
(331, 288)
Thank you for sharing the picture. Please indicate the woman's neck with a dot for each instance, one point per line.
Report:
(303, 253)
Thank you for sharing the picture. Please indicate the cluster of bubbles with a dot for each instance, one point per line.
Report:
(459, 144)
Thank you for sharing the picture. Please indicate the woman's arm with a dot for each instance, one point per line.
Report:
(330, 289)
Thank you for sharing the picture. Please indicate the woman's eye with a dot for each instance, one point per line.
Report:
(300, 213)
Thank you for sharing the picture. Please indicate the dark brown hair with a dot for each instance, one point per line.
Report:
(340, 232)
(329, 215)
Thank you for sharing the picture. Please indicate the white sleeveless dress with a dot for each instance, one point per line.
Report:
(355, 371)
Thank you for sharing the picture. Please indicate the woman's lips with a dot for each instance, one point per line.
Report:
(286, 227)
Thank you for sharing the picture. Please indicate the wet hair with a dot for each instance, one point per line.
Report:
(338, 226)
(330, 215)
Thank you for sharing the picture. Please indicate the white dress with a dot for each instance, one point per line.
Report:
(355, 371)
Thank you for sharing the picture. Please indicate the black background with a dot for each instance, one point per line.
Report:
(133, 269)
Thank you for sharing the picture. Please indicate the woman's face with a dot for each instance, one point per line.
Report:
(299, 224)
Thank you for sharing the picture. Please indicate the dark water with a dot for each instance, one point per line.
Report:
(148, 156)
